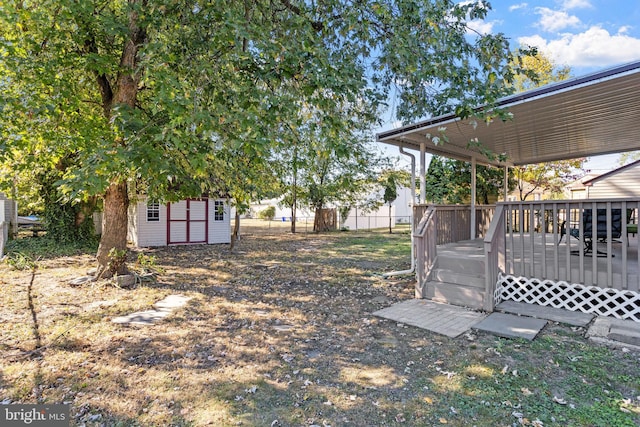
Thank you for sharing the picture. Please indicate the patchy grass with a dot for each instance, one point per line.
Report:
(281, 333)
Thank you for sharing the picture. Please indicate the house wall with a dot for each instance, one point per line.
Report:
(624, 183)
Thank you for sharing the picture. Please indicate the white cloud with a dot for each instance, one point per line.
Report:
(555, 20)
(482, 27)
(518, 6)
(592, 48)
(576, 4)
(624, 29)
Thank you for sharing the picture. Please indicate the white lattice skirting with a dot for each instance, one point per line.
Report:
(574, 297)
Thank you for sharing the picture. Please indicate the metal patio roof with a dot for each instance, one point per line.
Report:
(591, 115)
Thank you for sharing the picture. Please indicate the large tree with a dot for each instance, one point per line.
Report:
(141, 93)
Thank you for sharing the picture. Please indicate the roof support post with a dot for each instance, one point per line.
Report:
(423, 176)
(473, 197)
(506, 183)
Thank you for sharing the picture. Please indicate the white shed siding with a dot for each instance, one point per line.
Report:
(624, 183)
(150, 233)
(219, 231)
(132, 226)
(144, 233)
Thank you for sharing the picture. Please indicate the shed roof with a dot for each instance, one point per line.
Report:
(585, 116)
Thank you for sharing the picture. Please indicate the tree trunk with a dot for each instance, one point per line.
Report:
(114, 228)
(293, 218)
(116, 198)
(390, 229)
(236, 231)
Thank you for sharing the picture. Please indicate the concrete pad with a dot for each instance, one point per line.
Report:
(615, 332)
(442, 319)
(510, 326)
(163, 308)
(574, 318)
(171, 302)
(145, 318)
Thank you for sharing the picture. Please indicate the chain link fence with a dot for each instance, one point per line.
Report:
(251, 226)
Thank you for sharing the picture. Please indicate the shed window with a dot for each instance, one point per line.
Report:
(153, 212)
(218, 213)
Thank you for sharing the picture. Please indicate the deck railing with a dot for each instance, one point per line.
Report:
(424, 239)
(454, 221)
(494, 255)
(534, 231)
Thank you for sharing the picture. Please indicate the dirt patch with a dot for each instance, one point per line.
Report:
(281, 333)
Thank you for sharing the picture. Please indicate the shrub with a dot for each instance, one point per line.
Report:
(267, 213)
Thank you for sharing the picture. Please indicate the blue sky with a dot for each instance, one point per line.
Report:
(586, 35)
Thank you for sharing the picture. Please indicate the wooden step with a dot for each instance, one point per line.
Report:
(455, 294)
(461, 263)
(451, 276)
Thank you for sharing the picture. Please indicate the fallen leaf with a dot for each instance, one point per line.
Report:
(559, 400)
(400, 418)
(526, 391)
(505, 369)
(428, 400)
(443, 421)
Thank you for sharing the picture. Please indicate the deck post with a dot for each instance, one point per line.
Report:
(473, 198)
(505, 184)
(423, 176)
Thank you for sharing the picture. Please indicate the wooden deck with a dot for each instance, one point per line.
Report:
(522, 259)
(562, 261)
(553, 261)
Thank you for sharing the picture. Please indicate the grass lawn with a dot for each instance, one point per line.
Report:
(280, 333)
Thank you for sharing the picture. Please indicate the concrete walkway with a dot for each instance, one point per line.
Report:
(444, 319)
(511, 320)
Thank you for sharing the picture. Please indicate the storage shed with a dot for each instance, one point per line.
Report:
(187, 222)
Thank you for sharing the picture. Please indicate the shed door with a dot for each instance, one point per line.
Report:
(187, 222)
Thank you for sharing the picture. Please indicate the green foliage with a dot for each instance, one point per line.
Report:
(177, 100)
(550, 177)
(391, 180)
(21, 261)
(539, 71)
(148, 263)
(46, 247)
(267, 213)
(449, 181)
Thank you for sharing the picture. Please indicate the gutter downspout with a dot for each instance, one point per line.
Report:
(413, 202)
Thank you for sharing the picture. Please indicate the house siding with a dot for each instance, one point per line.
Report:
(624, 183)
